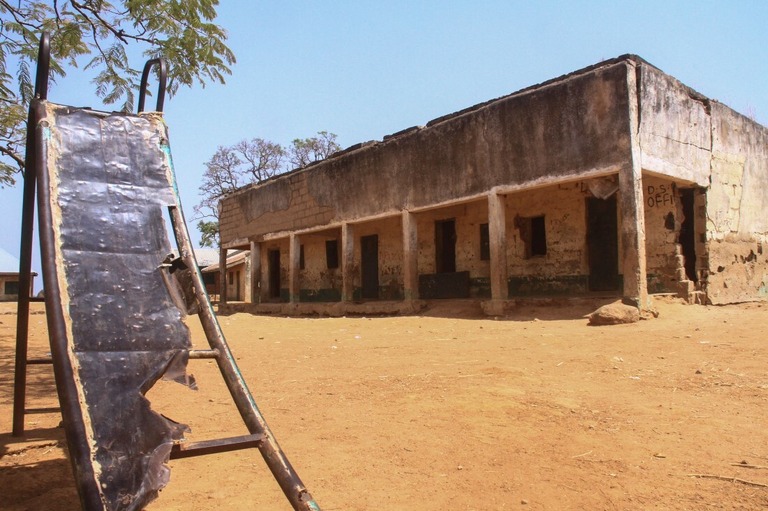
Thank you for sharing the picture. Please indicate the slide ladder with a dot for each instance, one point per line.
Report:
(116, 298)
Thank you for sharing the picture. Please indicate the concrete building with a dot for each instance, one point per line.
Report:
(9, 278)
(237, 281)
(616, 179)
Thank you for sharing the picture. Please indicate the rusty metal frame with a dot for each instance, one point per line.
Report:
(37, 179)
(27, 232)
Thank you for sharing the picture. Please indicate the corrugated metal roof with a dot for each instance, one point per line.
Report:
(232, 260)
(206, 256)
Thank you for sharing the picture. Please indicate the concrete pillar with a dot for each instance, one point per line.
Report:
(348, 266)
(222, 276)
(410, 257)
(264, 288)
(294, 256)
(631, 203)
(255, 276)
(497, 237)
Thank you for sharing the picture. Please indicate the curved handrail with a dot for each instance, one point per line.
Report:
(163, 78)
(43, 66)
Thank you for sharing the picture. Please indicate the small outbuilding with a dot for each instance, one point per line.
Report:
(9, 277)
(614, 180)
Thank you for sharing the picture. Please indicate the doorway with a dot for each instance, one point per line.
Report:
(603, 244)
(273, 263)
(369, 266)
(687, 238)
(445, 246)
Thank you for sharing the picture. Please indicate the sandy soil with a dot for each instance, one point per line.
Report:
(452, 411)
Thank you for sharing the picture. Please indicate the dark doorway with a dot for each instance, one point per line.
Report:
(274, 273)
(688, 233)
(603, 244)
(369, 266)
(445, 246)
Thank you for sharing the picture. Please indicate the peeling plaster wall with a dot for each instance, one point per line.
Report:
(389, 231)
(675, 127)
(468, 217)
(282, 245)
(663, 218)
(699, 141)
(569, 126)
(737, 224)
(564, 213)
(316, 281)
(239, 274)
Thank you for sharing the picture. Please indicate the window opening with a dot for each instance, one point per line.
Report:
(445, 246)
(332, 254)
(533, 234)
(11, 287)
(485, 243)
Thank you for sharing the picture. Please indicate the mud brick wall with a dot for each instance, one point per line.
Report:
(737, 223)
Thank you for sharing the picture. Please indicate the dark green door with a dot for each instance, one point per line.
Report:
(603, 244)
(369, 266)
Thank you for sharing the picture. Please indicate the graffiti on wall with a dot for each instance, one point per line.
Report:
(660, 195)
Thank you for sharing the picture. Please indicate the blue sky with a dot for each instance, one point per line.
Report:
(364, 69)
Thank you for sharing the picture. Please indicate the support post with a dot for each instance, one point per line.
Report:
(264, 289)
(25, 283)
(294, 257)
(410, 257)
(223, 276)
(255, 276)
(348, 266)
(497, 238)
(632, 210)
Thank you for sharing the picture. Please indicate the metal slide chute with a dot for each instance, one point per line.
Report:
(116, 302)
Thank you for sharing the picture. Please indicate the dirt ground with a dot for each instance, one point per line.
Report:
(449, 410)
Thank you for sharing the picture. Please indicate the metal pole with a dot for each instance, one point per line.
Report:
(273, 455)
(25, 269)
(25, 250)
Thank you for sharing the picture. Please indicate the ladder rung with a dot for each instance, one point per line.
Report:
(196, 354)
(187, 450)
(39, 360)
(193, 354)
(51, 409)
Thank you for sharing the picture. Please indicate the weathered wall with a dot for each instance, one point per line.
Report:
(389, 231)
(570, 126)
(468, 217)
(663, 218)
(239, 281)
(737, 226)
(564, 267)
(282, 245)
(316, 281)
(675, 130)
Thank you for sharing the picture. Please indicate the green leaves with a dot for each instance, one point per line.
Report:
(95, 34)
(209, 233)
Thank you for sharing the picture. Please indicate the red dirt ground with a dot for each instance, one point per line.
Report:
(449, 410)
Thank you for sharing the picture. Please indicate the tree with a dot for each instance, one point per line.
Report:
(209, 233)
(264, 159)
(223, 175)
(96, 34)
(247, 162)
(304, 151)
